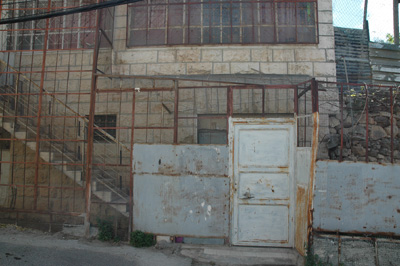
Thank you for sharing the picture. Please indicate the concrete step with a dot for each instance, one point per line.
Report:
(9, 126)
(20, 134)
(31, 145)
(121, 208)
(103, 195)
(224, 255)
(75, 175)
(47, 156)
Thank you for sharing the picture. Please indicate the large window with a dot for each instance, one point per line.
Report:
(174, 22)
(65, 32)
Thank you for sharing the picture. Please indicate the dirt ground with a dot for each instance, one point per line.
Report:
(20, 246)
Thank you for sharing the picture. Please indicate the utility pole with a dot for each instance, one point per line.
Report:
(365, 14)
(396, 21)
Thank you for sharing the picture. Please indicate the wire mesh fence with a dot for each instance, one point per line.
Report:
(348, 14)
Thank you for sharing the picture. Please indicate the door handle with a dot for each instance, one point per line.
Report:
(248, 195)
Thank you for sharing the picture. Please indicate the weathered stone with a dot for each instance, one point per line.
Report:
(377, 132)
(389, 131)
(347, 122)
(382, 121)
(385, 152)
(333, 121)
(363, 120)
(358, 150)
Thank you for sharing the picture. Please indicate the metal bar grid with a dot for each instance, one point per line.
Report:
(43, 116)
(366, 127)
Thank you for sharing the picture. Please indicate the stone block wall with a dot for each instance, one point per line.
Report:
(309, 60)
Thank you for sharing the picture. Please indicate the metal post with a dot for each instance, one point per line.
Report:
(366, 123)
(88, 187)
(176, 110)
(396, 21)
(341, 123)
(131, 175)
(39, 113)
(391, 127)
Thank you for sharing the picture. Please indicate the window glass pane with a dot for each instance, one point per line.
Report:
(137, 37)
(226, 14)
(235, 14)
(267, 35)
(175, 15)
(266, 14)
(306, 34)
(248, 35)
(156, 37)
(194, 15)
(247, 14)
(194, 35)
(286, 13)
(287, 34)
(226, 35)
(138, 17)
(175, 36)
(157, 16)
(305, 14)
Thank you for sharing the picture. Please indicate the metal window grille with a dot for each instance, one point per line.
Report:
(174, 22)
(65, 32)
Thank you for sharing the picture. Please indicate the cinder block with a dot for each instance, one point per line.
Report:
(136, 57)
(325, 16)
(166, 69)
(221, 68)
(236, 55)
(245, 68)
(188, 55)
(199, 68)
(167, 56)
(211, 55)
(304, 68)
(324, 69)
(262, 55)
(325, 29)
(283, 55)
(310, 55)
(274, 68)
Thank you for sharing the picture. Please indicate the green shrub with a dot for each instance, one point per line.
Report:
(106, 231)
(140, 239)
(312, 259)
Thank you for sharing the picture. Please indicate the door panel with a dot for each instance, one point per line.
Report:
(264, 186)
(257, 151)
(263, 224)
(262, 181)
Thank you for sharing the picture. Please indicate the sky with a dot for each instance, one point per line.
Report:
(349, 14)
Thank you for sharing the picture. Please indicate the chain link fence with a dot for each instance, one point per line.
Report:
(348, 13)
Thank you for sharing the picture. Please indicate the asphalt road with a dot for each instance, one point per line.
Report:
(38, 248)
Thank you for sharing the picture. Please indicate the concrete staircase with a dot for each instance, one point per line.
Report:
(103, 183)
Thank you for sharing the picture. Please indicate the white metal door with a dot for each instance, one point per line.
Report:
(261, 167)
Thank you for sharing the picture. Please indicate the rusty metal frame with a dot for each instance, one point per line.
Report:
(24, 73)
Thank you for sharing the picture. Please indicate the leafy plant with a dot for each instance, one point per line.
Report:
(312, 259)
(106, 232)
(140, 239)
